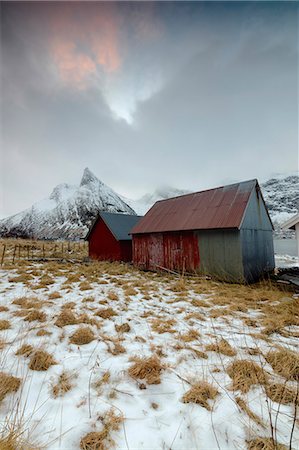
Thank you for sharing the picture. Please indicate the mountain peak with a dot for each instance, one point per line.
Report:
(88, 177)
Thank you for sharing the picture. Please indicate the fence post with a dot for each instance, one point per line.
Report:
(14, 254)
(3, 253)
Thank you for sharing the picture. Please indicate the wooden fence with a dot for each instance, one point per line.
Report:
(12, 251)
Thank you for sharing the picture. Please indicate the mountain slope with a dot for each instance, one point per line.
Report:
(281, 196)
(67, 213)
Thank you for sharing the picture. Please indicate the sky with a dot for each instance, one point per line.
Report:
(192, 95)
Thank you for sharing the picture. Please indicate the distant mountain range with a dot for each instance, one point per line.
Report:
(70, 210)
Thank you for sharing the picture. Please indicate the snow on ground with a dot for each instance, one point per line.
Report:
(173, 320)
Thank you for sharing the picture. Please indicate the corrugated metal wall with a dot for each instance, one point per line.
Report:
(256, 239)
(220, 254)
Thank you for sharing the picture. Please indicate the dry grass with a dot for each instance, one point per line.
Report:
(54, 295)
(264, 444)
(284, 362)
(245, 408)
(106, 313)
(280, 393)
(130, 291)
(103, 380)
(66, 317)
(191, 335)
(163, 325)
(148, 369)
(82, 336)
(3, 309)
(84, 286)
(200, 393)
(102, 440)
(27, 303)
(41, 360)
(123, 328)
(38, 316)
(116, 348)
(8, 384)
(25, 350)
(4, 325)
(223, 347)
(112, 296)
(245, 374)
(64, 384)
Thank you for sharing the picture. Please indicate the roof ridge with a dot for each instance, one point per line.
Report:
(207, 190)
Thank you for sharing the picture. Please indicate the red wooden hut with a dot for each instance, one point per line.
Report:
(225, 232)
(109, 238)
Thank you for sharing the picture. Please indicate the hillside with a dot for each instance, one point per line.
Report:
(67, 213)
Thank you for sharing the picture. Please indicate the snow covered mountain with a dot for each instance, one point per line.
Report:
(282, 198)
(67, 213)
(70, 210)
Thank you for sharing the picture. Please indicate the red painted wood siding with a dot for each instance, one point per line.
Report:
(174, 251)
(102, 244)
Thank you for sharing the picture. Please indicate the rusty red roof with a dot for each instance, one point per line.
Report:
(222, 207)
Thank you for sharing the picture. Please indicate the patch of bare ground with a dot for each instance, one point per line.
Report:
(66, 317)
(280, 393)
(4, 325)
(25, 350)
(163, 325)
(284, 362)
(34, 315)
(245, 408)
(200, 393)
(221, 346)
(106, 313)
(82, 336)
(41, 360)
(8, 384)
(63, 385)
(123, 328)
(265, 444)
(148, 369)
(245, 374)
(102, 440)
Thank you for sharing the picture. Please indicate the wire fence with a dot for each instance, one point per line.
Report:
(15, 250)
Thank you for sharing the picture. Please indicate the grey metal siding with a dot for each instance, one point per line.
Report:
(258, 253)
(220, 254)
(257, 239)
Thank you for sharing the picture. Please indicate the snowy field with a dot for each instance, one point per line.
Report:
(99, 356)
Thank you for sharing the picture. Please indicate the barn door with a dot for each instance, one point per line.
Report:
(155, 251)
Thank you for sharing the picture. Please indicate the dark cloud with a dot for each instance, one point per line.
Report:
(187, 94)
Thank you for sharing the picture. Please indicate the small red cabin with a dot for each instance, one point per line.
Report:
(109, 238)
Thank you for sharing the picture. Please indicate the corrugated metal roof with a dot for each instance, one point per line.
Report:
(120, 225)
(222, 207)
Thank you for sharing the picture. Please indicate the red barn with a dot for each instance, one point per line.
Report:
(225, 232)
(109, 238)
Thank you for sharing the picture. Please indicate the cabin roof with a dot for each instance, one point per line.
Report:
(120, 225)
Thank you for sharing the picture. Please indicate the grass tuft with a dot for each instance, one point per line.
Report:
(106, 313)
(264, 444)
(64, 384)
(284, 362)
(223, 347)
(66, 317)
(148, 369)
(41, 361)
(36, 315)
(8, 384)
(102, 440)
(4, 325)
(25, 350)
(245, 374)
(82, 336)
(123, 328)
(280, 393)
(200, 393)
